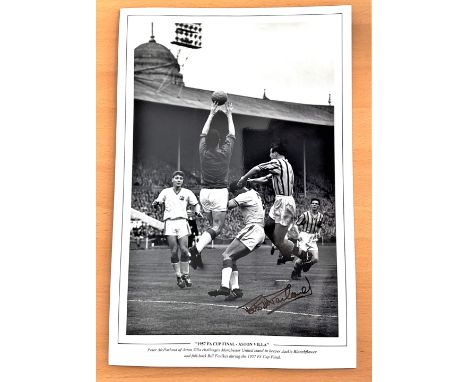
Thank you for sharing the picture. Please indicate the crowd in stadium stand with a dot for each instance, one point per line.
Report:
(149, 179)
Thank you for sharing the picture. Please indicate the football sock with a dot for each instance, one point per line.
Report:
(226, 276)
(297, 265)
(176, 267)
(184, 268)
(204, 240)
(234, 280)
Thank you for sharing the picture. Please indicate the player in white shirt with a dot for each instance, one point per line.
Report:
(249, 238)
(176, 200)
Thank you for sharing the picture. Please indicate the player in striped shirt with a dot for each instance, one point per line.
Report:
(311, 223)
(283, 211)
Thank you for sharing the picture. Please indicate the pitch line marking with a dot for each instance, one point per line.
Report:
(231, 306)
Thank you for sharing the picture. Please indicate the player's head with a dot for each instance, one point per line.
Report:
(314, 204)
(277, 149)
(212, 139)
(235, 190)
(177, 178)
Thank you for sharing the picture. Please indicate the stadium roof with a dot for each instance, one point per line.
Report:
(170, 94)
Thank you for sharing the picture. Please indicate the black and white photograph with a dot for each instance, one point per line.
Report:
(233, 240)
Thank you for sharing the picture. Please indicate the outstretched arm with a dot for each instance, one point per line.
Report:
(213, 111)
(261, 180)
(228, 112)
(244, 178)
(272, 167)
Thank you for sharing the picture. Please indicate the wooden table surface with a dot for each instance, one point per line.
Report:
(106, 66)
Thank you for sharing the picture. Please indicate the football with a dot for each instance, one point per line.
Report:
(219, 97)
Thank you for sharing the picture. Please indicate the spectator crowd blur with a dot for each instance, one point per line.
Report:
(149, 179)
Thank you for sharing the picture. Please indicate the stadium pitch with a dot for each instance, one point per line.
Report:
(156, 306)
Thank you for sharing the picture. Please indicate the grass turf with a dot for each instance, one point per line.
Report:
(157, 306)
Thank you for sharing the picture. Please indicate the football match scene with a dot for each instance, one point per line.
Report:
(233, 205)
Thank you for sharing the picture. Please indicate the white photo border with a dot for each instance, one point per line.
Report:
(147, 350)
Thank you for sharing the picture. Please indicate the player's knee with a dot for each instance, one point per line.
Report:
(236, 256)
(214, 231)
(174, 258)
(183, 247)
(226, 256)
(227, 263)
(234, 266)
(184, 257)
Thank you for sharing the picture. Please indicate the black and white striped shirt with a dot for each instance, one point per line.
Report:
(311, 223)
(283, 175)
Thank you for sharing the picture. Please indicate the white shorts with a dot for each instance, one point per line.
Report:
(307, 241)
(214, 199)
(283, 210)
(251, 235)
(176, 227)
